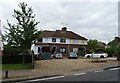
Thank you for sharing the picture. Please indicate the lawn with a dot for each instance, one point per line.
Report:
(16, 66)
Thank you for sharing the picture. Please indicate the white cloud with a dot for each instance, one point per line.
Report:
(96, 19)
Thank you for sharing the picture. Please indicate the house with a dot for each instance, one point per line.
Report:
(59, 41)
(1, 44)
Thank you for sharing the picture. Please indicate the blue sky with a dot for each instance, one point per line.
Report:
(93, 19)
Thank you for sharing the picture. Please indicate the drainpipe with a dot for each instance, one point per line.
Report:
(68, 47)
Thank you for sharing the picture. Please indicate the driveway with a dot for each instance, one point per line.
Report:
(69, 66)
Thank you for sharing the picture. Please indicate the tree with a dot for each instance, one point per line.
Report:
(10, 50)
(22, 33)
(118, 49)
(95, 45)
(92, 45)
(113, 47)
(109, 51)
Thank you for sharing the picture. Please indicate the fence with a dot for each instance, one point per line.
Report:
(16, 59)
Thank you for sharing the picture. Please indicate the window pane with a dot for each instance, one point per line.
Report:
(63, 40)
(53, 39)
(62, 50)
(40, 40)
(75, 49)
(75, 41)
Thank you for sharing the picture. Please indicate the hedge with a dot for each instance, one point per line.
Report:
(16, 59)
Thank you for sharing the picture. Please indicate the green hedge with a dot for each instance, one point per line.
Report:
(16, 59)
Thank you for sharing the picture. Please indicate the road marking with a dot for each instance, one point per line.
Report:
(79, 74)
(99, 71)
(114, 69)
(44, 79)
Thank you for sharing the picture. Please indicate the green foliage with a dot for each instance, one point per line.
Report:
(109, 51)
(22, 33)
(10, 50)
(113, 48)
(81, 51)
(113, 43)
(117, 51)
(92, 46)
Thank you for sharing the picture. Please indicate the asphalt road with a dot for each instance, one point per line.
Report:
(102, 75)
(99, 75)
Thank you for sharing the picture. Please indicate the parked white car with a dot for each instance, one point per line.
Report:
(96, 55)
(57, 56)
(88, 55)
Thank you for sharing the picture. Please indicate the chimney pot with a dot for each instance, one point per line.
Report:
(64, 29)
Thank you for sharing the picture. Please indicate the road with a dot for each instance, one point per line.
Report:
(107, 75)
(99, 75)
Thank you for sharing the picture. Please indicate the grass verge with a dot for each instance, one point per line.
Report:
(16, 66)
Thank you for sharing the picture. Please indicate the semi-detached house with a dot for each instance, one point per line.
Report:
(59, 41)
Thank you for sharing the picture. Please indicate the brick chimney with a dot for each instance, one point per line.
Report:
(116, 37)
(64, 29)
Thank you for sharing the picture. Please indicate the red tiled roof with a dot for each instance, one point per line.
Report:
(61, 34)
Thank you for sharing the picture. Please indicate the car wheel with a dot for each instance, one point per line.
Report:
(88, 56)
(101, 56)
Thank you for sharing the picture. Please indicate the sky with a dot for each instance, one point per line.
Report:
(93, 19)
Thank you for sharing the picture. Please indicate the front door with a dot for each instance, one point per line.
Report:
(54, 49)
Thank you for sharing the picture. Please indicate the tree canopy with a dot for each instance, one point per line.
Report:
(95, 45)
(113, 47)
(24, 31)
(92, 45)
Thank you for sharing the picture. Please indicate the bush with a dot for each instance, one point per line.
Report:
(10, 50)
(109, 51)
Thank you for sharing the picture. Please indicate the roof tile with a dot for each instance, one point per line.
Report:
(63, 34)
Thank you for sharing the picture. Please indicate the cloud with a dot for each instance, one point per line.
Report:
(95, 19)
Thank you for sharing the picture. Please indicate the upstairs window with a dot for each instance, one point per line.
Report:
(40, 40)
(62, 40)
(53, 39)
(75, 41)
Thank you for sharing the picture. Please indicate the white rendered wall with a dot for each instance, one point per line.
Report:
(68, 41)
(35, 49)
